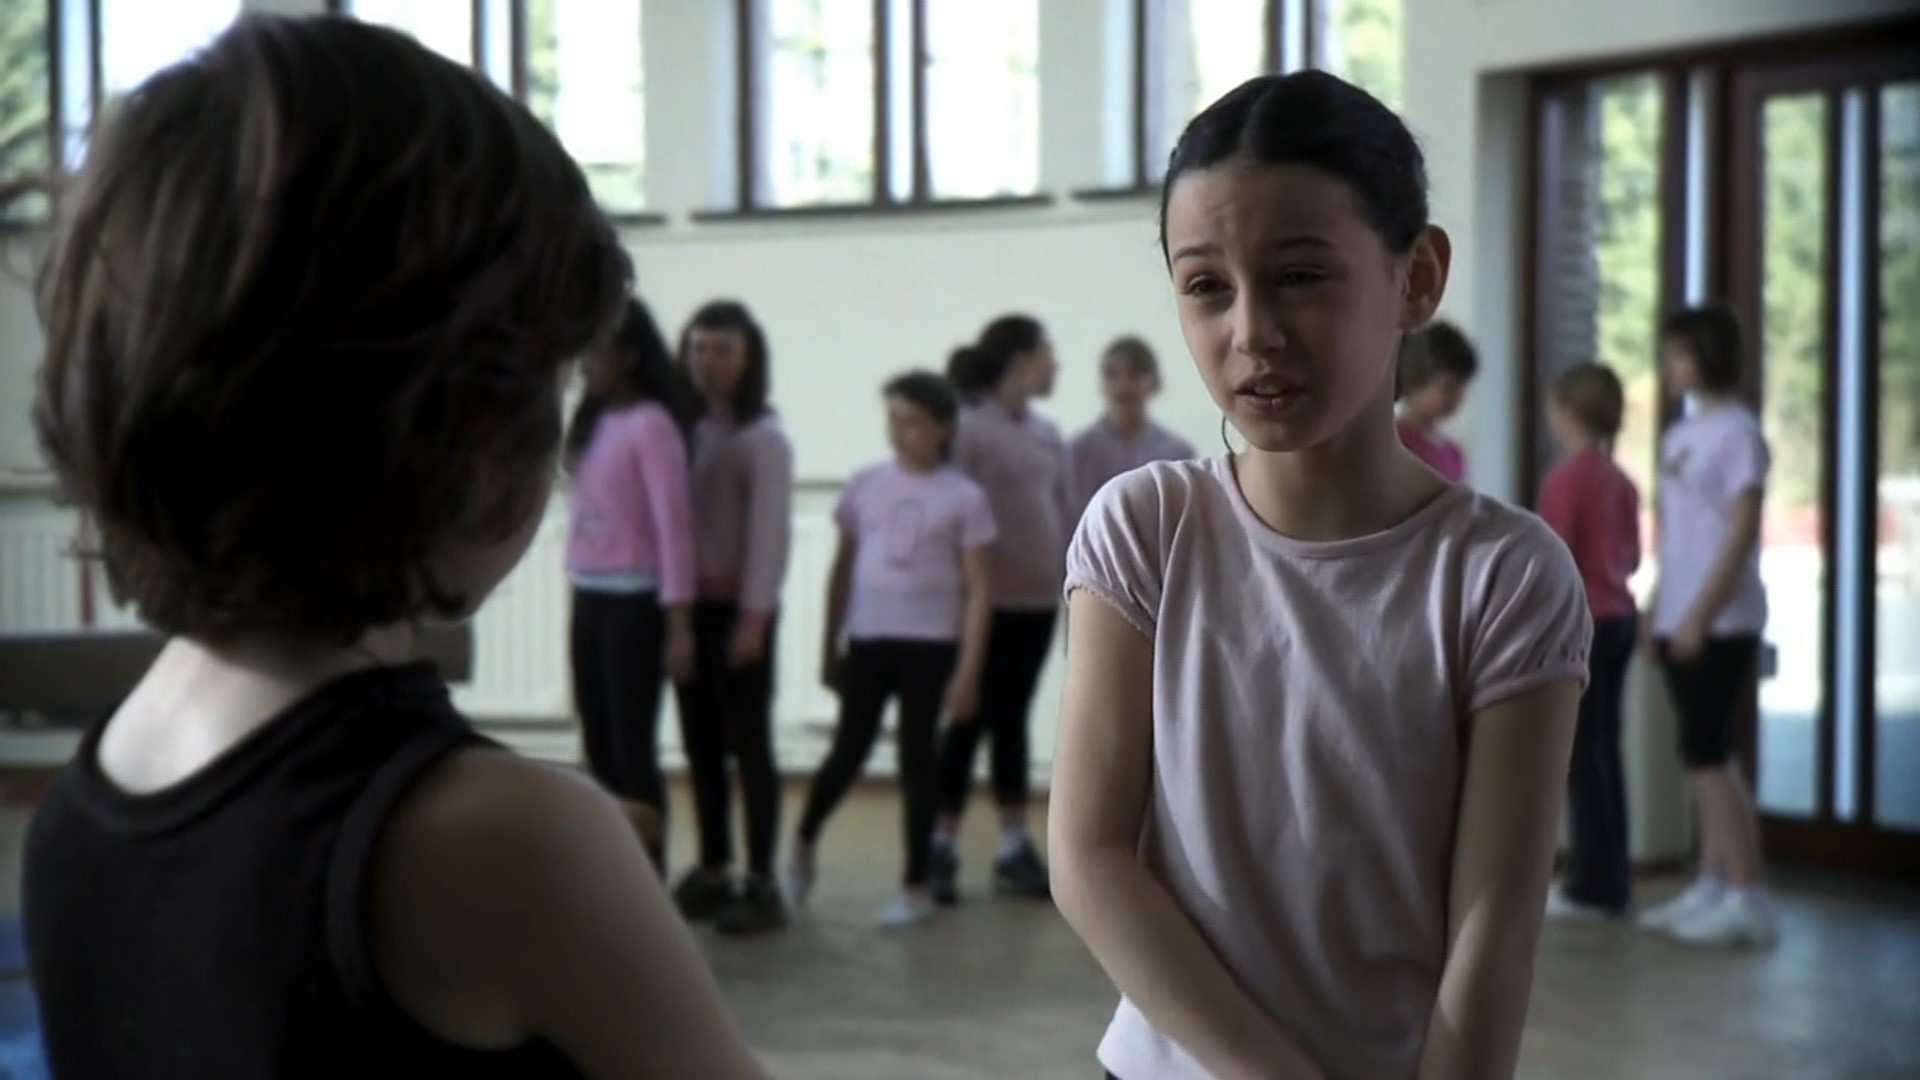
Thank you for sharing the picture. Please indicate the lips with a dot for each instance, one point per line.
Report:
(1269, 395)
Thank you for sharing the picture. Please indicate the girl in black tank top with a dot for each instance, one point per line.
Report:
(308, 317)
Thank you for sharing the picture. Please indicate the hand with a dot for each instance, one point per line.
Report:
(1688, 641)
(679, 654)
(748, 646)
(962, 699)
(830, 671)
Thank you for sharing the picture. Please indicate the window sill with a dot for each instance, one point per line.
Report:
(1129, 193)
(870, 209)
(636, 219)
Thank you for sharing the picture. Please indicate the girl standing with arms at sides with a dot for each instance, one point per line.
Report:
(1709, 609)
(1436, 365)
(286, 854)
(629, 555)
(1125, 438)
(909, 595)
(1291, 860)
(742, 481)
(1595, 508)
(1019, 460)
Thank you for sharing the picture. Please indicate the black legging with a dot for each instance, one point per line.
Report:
(873, 671)
(1017, 647)
(726, 713)
(618, 651)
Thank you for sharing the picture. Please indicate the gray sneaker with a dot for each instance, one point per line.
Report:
(758, 909)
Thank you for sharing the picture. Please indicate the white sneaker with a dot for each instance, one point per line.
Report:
(1741, 917)
(797, 882)
(1561, 908)
(905, 909)
(1662, 918)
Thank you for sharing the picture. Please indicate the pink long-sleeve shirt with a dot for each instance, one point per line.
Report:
(743, 511)
(1022, 464)
(631, 512)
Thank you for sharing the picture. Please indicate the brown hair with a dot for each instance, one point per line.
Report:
(307, 316)
(1134, 354)
(1439, 348)
(1593, 396)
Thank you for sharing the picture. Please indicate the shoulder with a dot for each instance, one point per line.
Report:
(1504, 550)
(765, 432)
(647, 420)
(865, 478)
(963, 487)
(1136, 516)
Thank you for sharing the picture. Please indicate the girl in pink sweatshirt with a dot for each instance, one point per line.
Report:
(629, 554)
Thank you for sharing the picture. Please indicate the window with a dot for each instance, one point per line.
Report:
(575, 64)
(1192, 52)
(1360, 41)
(983, 97)
(583, 78)
(445, 26)
(26, 107)
(895, 101)
(138, 37)
(816, 119)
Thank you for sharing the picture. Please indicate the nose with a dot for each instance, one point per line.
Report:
(1256, 326)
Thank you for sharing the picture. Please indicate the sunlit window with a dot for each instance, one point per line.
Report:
(584, 78)
(1361, 41)
(1197, 50)
(983, 97)
(445, 26)
(139, 37)
(815, 106)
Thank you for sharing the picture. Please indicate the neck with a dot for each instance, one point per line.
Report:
(1012, 399)
(1357, 483)
(1128, 422)
(918, 465)
(719, 409)
(1580, 444)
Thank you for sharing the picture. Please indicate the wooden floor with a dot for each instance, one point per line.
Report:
(1002, 989)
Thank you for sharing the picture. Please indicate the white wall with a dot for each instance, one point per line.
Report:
(849, 301)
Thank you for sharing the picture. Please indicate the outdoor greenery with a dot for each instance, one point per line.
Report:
(1367, 44)
(25, 101)
(1627, 254)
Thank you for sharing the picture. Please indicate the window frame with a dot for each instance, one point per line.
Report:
(888, 98)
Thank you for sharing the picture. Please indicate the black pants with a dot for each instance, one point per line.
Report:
(618, 647)
(915, 672)
(1597, 862)
(1706, 690)
(726, 723)
(1017, 647)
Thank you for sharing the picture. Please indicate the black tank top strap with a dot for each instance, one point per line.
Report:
(350, 869)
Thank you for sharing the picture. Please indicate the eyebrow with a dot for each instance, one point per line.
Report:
(1205, 247)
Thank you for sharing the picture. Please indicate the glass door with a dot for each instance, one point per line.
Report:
(1821, 251)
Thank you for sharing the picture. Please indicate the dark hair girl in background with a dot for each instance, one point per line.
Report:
(1017, 457)
(1319, 701)
(1437, 364)
(742, 482)
(1125, 437)
(629, 554)
(286, 854)
(908, 594)
(1709, 614)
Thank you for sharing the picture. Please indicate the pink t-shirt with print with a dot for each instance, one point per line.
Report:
(1309, 701)
(910, 530)
(1707, 461)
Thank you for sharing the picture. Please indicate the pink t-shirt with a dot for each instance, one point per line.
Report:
(1707, 461)
(910, 530)
(1309, 701)
(1102, 452)
(1021, 463)
(1441, 454)
(629, 500)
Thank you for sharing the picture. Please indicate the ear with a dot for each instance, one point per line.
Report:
(1426, 283)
